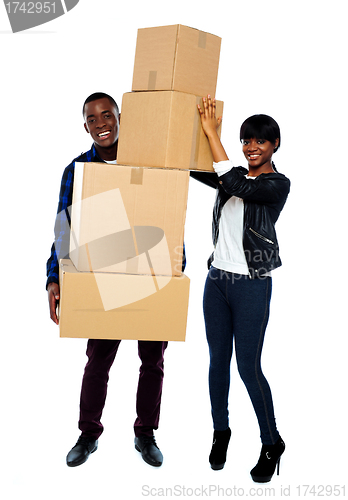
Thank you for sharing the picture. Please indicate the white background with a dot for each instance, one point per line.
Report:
(286, 59)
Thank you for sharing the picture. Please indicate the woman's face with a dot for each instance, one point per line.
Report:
(258, 152)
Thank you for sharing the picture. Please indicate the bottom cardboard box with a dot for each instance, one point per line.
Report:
(122, 306)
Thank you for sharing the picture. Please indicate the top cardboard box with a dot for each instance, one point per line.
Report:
(176, 58)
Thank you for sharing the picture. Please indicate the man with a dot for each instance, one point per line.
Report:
(101, 121)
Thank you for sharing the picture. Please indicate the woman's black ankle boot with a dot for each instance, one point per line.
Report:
(269, 459)
(217, 457)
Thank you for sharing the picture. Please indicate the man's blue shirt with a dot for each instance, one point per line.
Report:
(60, 248)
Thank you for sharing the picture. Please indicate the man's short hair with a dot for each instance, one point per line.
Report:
(99, 95)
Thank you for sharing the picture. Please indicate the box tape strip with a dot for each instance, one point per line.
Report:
(151, 85)
(202, 40)
(137, 174)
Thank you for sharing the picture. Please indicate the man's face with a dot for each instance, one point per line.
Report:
(101, 121)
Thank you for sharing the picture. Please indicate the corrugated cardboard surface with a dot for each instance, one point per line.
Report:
(161, 314)
(128, 219)
(176, 58)
(163, 129)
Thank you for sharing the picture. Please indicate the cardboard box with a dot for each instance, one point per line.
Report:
(119, 306)
(128, 219)
(176, 58)
(163, 129)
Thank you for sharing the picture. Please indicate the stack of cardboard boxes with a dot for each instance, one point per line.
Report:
(124, 276)
(174, 67)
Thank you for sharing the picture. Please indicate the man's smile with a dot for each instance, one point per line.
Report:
(105, 134)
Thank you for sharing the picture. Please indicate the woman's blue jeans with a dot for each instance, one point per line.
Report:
(237, 308)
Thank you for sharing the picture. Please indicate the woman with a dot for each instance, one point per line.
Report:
(238, 287)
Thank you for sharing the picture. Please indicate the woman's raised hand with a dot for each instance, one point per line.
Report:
(210, 123)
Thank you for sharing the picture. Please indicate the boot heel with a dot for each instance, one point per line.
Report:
(217, 457)
(278, 464)
(268, 462)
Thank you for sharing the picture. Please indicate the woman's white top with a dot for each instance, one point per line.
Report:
(229, 253)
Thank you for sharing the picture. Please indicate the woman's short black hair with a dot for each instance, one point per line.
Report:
(99, 95)
(260, 127)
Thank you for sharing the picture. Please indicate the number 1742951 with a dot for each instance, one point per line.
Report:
(31, 7)
(307, 490)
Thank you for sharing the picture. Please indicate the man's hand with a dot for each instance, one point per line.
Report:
(53, 298)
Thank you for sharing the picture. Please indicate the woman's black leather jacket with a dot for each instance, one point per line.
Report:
(264, 198)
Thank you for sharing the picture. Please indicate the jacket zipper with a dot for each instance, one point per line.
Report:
(260, 236)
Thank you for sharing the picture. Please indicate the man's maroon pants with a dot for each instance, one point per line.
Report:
(101, 355)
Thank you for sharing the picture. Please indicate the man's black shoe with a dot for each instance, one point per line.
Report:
(81, 451)
(149, 450)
